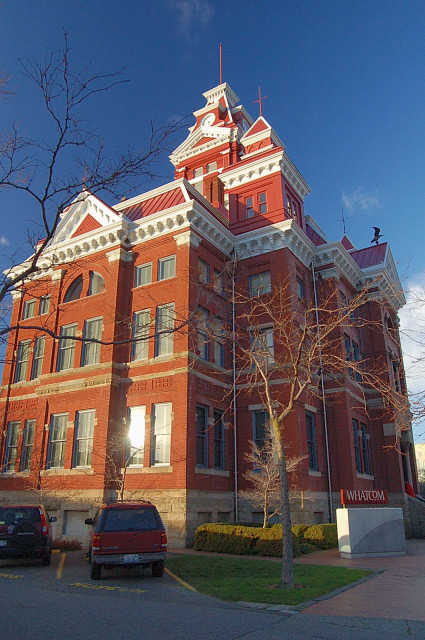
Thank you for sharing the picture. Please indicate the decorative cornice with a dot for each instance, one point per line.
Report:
(260, 168)
(187, 238)
(213, 95)
(119, 254)
(219, 135)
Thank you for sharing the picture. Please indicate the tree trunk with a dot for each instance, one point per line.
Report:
(287, 579)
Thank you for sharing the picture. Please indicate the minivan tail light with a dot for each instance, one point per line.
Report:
(163, 539)
(43, 523)
(96, 543)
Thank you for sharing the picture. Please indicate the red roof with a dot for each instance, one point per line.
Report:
(314, 236)
(153, 205)
(88, 224)
(347, 244)
(371, 256)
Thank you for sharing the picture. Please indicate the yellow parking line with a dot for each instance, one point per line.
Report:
(106, 587)
(182, 582)
(9, 575)
(60, 567)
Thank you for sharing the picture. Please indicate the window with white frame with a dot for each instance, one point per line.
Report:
(29, 309)
(260, 428)
(166, 268)
(218, 440)
(161, 434)
(27, 445)
(300, 288)
(357, 450)
(136, 436)
(260, 283)
(203, 271)
(90, 353)
(96, 283)
(365, 449)
(11, 448)
(83, 438)
(22, 358)
(66, 348)
(202, 317)
(57, 441)
(140, 335)
(262, 201)
(249, 207)
(143, 274)
(44, 305)
(74, 290)
(164, 330)
(37, 357)
(201, 436)
(218, 341)
(311, 441)
(262, 346)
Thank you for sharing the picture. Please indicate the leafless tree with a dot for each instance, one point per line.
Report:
(288, 350)
(70, 161)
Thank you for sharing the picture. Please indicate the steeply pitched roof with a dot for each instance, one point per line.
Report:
(371, 256)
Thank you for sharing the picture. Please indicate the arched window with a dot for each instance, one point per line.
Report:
(74, 290)
(97, 283)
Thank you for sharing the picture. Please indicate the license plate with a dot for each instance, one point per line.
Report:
(3, 543)
(131, 557)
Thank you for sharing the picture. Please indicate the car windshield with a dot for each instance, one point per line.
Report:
(16, 515)
(128, 520)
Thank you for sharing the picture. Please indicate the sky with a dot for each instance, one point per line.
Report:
(345, 82)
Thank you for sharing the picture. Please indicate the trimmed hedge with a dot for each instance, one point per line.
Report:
(249, 540)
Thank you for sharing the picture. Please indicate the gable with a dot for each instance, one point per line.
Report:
(88, 224)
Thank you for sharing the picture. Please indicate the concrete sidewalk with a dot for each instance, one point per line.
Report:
(397, 592)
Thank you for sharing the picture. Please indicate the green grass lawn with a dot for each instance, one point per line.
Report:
(251, 580)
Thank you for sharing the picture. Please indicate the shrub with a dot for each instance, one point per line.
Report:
(242, 540)
(323, 536)
(66, 545)
(298, 531)
(307, 548)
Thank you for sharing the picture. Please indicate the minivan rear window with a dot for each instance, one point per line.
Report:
(129, 520)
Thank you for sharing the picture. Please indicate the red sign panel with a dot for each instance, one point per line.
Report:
(360, 496)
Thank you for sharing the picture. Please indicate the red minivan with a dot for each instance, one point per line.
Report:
(127, 534)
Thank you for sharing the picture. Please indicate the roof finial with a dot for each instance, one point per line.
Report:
(260, 100)
(221, 64)
(343, 219)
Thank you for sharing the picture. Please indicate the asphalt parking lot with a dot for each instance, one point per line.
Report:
(69, 571)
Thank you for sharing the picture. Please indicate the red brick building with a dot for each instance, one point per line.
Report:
(147, 278)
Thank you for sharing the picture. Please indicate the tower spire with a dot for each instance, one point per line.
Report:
(260, 100)
(221, 64)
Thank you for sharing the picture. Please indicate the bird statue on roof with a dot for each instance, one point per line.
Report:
(377, 235)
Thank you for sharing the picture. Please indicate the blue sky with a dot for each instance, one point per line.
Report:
(345, 80)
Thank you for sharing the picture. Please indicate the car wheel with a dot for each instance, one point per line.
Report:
(158, 569)
(95, 571)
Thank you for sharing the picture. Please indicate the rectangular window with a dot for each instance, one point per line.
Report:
(300, 288)
(262, 201)
(249, 207)
(27, 445)
(166, 268)
(262, 346)
(44, 305)
(161, 434)
(11, 449)
(164, 330)
(83, 438)
(201, 436)
(365, 447)
(311, 441)
(90, 353)
(29, 309)
(140, 335)
(203, 271)
(66, 348)
(202, 316)
(260, 427)
(260, 283)
(396, 374)
(37, 358)
(22, 359)
(357, 452)
(143, 274)
(199, 184)
(218, 338)
(136, 436)
(57, 441)
(212, 166)
(218, 440)
(218, 282)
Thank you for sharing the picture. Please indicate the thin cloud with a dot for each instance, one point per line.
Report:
(412, 333)
(192, 14)
(360, 200)
(4, 241)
